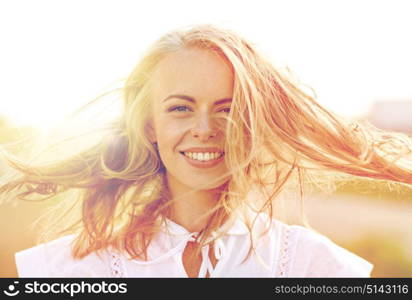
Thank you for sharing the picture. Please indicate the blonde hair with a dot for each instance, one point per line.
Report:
(277, 138)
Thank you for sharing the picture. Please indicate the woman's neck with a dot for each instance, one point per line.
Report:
(190, 209)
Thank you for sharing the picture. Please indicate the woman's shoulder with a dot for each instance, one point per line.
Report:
(311, 254)
(55, 259)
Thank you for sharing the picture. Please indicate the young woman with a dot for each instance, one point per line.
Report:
(185, 183)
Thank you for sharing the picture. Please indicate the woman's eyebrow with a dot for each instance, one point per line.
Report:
(191, 99)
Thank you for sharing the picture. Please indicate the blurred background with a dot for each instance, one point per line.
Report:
(356, 55)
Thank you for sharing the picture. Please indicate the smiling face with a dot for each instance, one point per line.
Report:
(192, 91)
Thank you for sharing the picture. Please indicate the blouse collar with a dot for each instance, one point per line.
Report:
(173, 238)
(237, 227)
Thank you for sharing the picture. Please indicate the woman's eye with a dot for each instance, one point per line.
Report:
(183, 108)
(180, 108)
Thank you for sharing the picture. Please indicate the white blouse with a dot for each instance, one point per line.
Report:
(282, 251)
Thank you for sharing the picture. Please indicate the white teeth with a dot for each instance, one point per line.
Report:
(204, 156)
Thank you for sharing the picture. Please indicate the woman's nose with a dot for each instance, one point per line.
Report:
(204, 128)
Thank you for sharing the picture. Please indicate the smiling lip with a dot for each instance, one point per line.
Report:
(203, 149)
(202, 164)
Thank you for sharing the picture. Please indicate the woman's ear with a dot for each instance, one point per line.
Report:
(150, 132)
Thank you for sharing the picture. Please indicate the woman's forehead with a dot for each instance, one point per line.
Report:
(195, 71)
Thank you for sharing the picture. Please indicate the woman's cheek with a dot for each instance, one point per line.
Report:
(170, 134)
(177, 128)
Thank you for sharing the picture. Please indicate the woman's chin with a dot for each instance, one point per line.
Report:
(212, 186)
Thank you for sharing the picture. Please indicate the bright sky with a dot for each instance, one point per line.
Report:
(57, 55)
